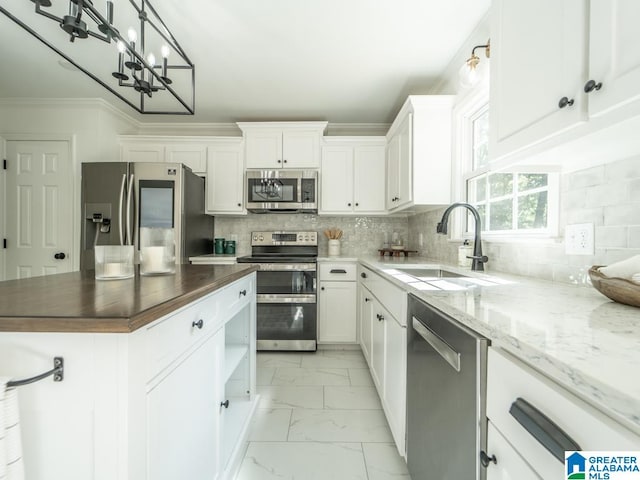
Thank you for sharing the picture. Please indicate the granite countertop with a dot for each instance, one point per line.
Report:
(570, 333)
(77, 302)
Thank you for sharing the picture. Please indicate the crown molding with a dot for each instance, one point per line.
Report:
(191, 129)
(357, 129)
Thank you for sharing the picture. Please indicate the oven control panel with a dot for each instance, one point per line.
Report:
(284, 238)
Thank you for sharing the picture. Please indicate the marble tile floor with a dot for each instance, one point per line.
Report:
(319, 418)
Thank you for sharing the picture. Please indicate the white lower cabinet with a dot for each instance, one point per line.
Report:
(337, 307)
(143, 405)
(550, 412)
(384, 345)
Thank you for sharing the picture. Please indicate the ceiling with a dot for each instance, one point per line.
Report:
(345, 61)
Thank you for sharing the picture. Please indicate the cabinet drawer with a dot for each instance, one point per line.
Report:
(508, 379)
(336, 272)
(175, 334)
(391, 296)
(235, 296)
(509, 464)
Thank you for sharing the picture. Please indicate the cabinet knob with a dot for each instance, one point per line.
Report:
(357, 204)
(348, 204)
(279, 161)
(60, 256)
(284, 161)
(591, 85)
(565, 102)
(367, 299)
(225, 404)
(239, 204)
(363, 275)
(379, 317)
(243, 293)
(321, 288)
(199, 324)
(486, 460)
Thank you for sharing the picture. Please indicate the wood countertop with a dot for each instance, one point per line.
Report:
(76, 302)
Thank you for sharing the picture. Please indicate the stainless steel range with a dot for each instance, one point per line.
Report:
(286, 290)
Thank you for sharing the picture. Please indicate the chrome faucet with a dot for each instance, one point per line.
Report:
(478, 259)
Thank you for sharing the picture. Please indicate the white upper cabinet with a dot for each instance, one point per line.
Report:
(190, 151)
(536, 80)
(353, 176)
(419, 153)
(614, 60)
(225, 177)
(555, 96)
(271, 145)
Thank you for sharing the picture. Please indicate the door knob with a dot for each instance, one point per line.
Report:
(59, 256)
(565, 102)
(591, 85)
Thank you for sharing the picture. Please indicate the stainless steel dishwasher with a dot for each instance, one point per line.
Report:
(446, 396)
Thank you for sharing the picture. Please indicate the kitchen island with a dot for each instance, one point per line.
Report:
(159, 372)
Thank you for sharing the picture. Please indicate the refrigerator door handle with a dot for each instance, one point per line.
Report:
(129, 195)
(120, 225)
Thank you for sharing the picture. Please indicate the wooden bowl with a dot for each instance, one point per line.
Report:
(619, 290)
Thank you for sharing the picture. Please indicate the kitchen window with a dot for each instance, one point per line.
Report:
(519, 202)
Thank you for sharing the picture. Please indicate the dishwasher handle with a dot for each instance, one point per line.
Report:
(439, 345)
(544, 430)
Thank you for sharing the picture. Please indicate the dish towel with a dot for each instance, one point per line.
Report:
(624, 269)
(11, 464)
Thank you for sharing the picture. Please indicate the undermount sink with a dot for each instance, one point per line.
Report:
(429, 273)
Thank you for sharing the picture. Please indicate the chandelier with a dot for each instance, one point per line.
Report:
(135, 36)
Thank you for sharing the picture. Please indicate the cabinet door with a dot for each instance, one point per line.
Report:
(336, 191)
(366, 319)
(613, 59)
(193, 156)
(395, 384)
(378, 345)
(225, 179)
(263, 148)
(509, 464)
(369, 179)
(393, 167)
(530, 72)
(138, 152)
(337, 322)
(405, 171)
(300, 149)
(183, 418)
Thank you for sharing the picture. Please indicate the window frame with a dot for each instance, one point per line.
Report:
(466, 110)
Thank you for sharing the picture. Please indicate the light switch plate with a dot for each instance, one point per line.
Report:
(579, 239)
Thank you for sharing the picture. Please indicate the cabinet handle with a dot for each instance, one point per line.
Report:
(565, 102)
(591, 85)
(545, 431)
(225, 404)
(337, 270)
(379, 317)
(60, 256)
(486, 460)
(367, 299)
(243, 293)
(363, 275)
(199, 324)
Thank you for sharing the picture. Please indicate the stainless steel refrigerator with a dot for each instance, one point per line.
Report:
(118, 198)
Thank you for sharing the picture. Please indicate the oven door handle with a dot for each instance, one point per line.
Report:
(285, 298)
(286, 267)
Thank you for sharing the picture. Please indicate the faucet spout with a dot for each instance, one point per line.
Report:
(478, 259)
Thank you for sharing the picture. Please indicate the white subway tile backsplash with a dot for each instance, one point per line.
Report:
(623, 169)
(611, 237)
(586, 178)
(633, 240)
(607, 194)
(622, 214)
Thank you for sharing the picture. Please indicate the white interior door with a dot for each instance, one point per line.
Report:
(38, 209)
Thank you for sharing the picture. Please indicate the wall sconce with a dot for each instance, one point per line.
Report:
(469, 74)
(135, 78)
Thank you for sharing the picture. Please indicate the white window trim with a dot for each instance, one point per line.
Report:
(465, 109)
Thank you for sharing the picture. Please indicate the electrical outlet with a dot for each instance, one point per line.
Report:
(579, 239)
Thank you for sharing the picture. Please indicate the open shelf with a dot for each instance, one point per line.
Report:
(232, 358)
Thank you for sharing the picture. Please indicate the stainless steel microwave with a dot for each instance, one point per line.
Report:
(282, 191)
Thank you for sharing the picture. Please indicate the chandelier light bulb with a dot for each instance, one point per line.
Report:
(132, 35)
(165, 51)
(120, 46)
(151, 59)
